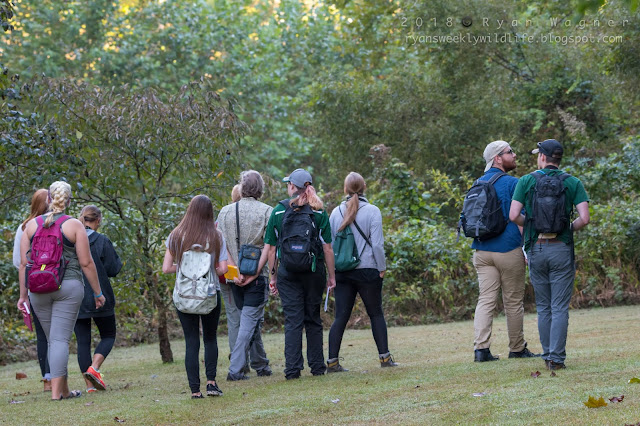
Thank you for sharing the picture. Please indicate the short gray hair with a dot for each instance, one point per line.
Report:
(252, 184)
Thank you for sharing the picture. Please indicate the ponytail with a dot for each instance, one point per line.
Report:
(354, 187)
(308, 196)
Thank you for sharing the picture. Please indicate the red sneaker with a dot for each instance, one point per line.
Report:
(95, 377)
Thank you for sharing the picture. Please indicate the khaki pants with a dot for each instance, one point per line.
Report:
(497, 271)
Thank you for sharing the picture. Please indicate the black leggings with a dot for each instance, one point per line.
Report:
(191, 328)
(368, 284)
(106, 328)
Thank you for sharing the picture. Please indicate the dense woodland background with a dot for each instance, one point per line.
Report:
(140, 104)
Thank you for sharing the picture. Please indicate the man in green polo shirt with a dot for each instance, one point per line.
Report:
(550, 254)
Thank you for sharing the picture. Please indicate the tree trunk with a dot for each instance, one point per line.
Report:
(165, 345)
(163, 334)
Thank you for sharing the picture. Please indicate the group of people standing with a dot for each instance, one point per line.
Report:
(297, 268)
(529, 204)
(89, 259)
(249, 222)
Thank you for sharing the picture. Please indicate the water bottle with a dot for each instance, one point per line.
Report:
(212, 290)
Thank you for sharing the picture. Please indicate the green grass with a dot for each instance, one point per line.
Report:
(434, 384)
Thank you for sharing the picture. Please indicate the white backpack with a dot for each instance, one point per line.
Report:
(195, 290)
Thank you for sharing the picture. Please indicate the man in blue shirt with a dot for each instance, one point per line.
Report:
(500, 264)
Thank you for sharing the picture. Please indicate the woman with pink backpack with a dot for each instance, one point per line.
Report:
(54, 252)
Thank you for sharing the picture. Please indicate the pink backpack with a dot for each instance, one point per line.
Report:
(46, 269)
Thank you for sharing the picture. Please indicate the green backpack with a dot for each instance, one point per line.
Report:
(345, 249)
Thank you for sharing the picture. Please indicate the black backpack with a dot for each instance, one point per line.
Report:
(299, 239)
(482, 217)
(548, 212)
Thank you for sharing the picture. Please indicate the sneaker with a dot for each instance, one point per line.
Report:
(231, 378)
(387, 361)
(333, 366)
(197, 396)
(525, 353)
(482, 355)
(213, 390)
(47, 385)
(551, 365)
(265, 372)
(92, 390)
(95, 377)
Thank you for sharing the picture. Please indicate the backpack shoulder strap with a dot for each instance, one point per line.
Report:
(362, 233)
(358, 228)
(285, 203)
(62, 219)
(563, 176)
(495, 177)
(538, 175)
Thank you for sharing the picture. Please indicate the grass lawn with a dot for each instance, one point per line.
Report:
(435, 383)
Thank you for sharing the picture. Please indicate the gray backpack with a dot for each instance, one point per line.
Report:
(195, 290)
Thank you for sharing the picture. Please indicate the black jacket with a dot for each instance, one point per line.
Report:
(108, 264)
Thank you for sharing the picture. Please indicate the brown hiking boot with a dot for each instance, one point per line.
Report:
(333, 366)
(387, 360)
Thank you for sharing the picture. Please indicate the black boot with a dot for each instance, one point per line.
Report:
(482, 355)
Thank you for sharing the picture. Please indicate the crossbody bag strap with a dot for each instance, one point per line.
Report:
(358, 228)
(238, 226)
(362, 233)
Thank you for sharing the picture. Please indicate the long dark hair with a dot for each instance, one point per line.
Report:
(196, 227)
(354, 187)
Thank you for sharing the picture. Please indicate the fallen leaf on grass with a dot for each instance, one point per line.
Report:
(617, 399)
(20, 375)
(119, 420)
(535, 374)
(22, 394)
(595, 403)
(244, 394)
(15, 402)
(634, 380)
(553, 374)
(88, 404)
(478, 394)
(335, 401)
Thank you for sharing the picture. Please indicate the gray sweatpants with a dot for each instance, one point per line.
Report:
(57, 313)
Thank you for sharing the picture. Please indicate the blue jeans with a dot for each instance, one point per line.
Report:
(552, 272)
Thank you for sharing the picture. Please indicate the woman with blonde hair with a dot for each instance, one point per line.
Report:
(108, 264)
(39, 207)
(300, 228)
(58, 310)
(365, 221)
(197, 231)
